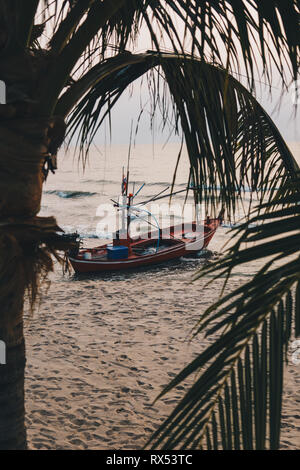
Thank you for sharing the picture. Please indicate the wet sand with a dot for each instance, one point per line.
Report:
(99, 351)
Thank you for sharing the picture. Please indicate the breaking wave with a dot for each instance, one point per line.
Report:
(70, 194)
(86, 232)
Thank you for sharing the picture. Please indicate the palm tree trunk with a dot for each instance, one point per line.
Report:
(12, 413)
(23, 145)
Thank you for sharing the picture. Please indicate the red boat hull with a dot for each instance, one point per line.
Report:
(173, 247)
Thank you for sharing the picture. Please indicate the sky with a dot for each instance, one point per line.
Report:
(128, 108)
(280, 108)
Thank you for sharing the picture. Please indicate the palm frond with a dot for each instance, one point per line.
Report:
(68, 24)
(16, 22)
(235, 34)
(59, 72)
(262, 28)
(232, 143)
(248, 29)
(236, 402)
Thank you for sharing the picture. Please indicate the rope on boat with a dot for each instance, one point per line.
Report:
(151, 215)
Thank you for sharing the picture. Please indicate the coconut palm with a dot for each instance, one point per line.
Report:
(66, 62)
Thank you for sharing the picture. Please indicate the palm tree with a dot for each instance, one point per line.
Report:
(84, 66)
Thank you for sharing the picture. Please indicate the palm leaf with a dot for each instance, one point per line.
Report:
(229, 33)
(232, 143)
(81, 32)
(242, 26)
(236, 402)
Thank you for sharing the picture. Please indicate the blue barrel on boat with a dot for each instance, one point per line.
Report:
(117, 252)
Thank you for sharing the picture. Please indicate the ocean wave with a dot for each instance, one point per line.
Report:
(137, 183)
(93, 181)
(85, 231)
(70, 194)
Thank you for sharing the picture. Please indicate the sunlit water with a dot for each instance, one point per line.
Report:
(80, 198)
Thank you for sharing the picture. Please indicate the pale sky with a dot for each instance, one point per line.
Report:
(128, 108)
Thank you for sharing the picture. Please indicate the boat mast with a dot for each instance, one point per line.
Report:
(124, 186)
(129, 196)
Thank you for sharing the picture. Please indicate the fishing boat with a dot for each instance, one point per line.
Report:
(151, 248)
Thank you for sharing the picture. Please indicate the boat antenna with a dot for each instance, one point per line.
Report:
(154, 197)
(158, 196)
(128, 158)
(123, 183)
(138, 190)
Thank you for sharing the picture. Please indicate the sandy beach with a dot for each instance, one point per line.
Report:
(99, 351)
